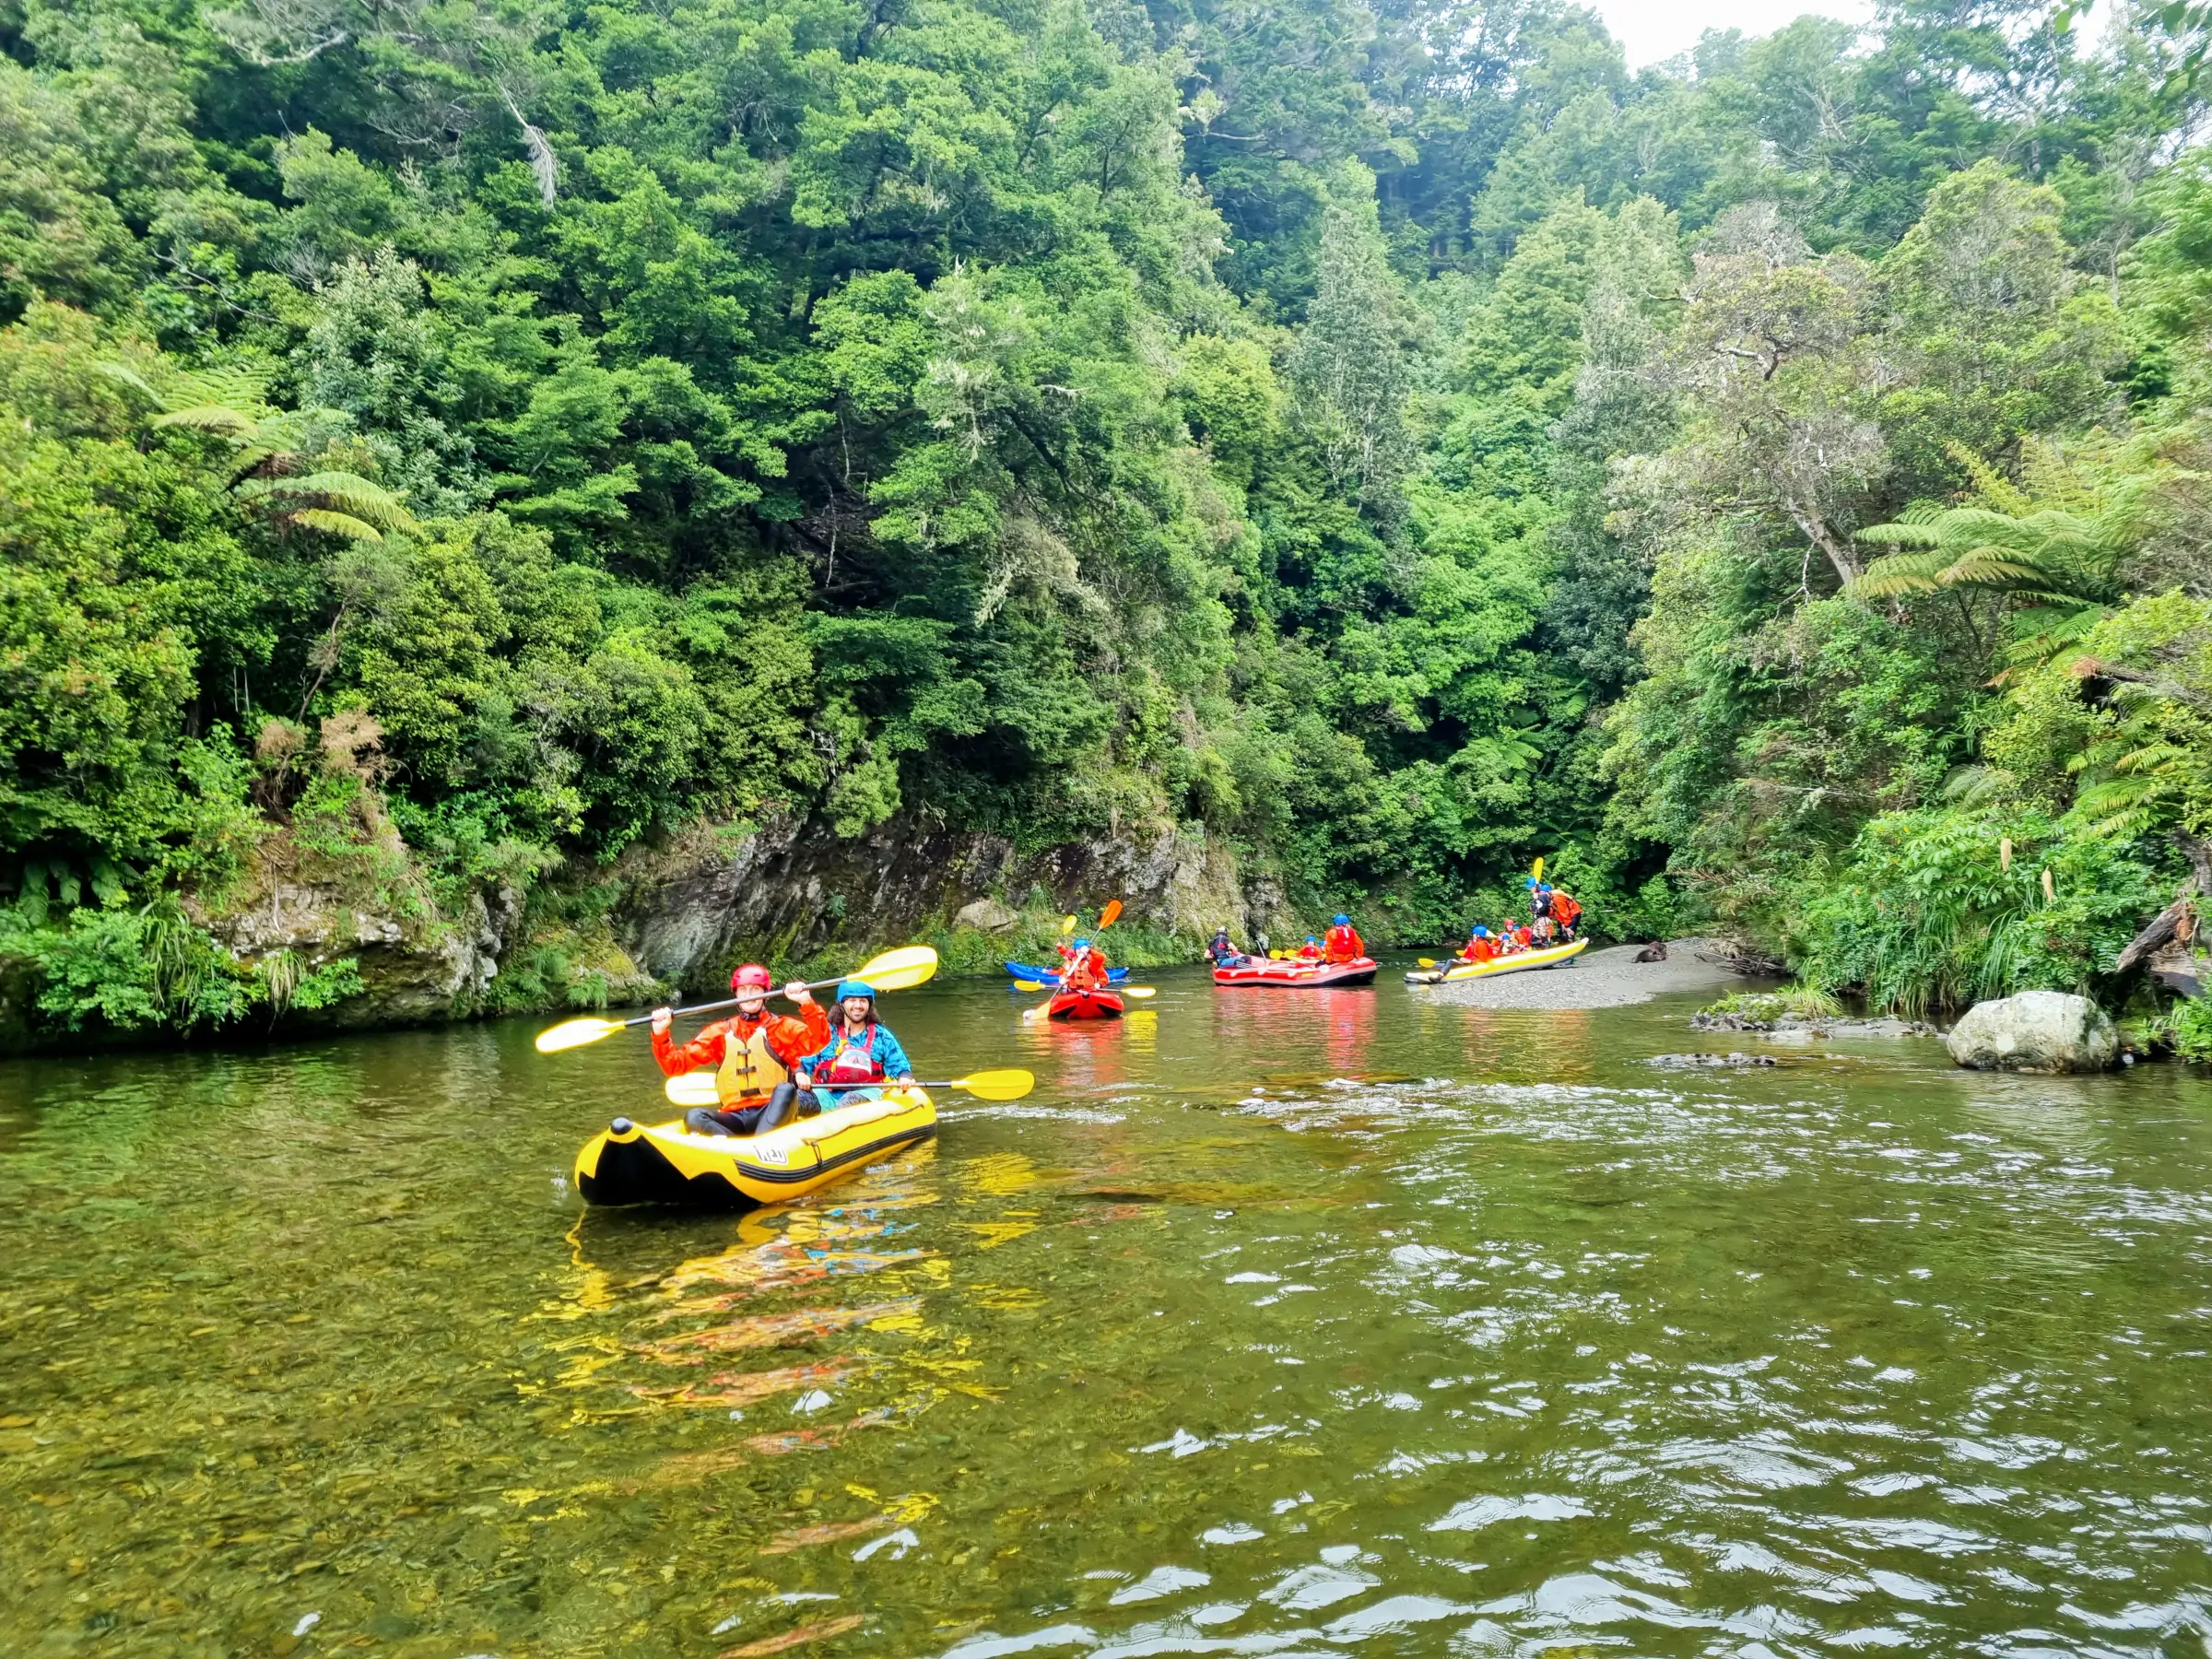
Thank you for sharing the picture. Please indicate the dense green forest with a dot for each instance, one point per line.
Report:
(464, 442)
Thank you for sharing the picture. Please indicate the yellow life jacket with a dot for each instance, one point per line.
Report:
(749, 1070)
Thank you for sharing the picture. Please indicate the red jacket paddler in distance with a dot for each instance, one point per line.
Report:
(1343, 944)
(1086, 969)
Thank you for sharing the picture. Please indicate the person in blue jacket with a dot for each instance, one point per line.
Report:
(861, 1054)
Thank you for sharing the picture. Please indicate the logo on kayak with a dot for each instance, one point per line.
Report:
(772, 1155)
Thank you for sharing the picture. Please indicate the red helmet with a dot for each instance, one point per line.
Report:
(753, 975)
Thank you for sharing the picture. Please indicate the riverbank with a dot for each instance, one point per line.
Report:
(1611, 978)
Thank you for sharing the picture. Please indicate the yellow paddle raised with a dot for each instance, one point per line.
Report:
(697, 1089)
(899, 970)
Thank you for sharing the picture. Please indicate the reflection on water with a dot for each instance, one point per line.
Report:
(1320, 1322)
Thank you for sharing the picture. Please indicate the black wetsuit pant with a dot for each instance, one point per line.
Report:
(779, 1109)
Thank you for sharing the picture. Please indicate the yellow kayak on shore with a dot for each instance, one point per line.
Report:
(665, 1163)
(1451, 973)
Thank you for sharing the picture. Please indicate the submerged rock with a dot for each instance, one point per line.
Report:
(1680, 1062)
(1799, 1025)
(2035, 1031)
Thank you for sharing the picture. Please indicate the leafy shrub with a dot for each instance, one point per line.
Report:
(2190, 1028)
(145, 969)
(1925, 914)
(1769, 1008)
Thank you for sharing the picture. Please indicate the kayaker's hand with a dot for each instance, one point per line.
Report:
(797, 991)
(662, 1019)
(906, 1079)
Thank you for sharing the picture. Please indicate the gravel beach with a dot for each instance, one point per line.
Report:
(1597, 978)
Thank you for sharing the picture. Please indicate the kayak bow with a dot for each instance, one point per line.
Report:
(665, 1163)
(1085, 1005)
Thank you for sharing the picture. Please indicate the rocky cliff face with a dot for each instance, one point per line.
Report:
(686, 909)
(416, 964)
(790, 888)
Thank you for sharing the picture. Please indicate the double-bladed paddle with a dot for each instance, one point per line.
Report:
(899, 970)
(697, 1089)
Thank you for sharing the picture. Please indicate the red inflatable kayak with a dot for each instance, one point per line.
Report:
(1085, 1005)
(1299, 975)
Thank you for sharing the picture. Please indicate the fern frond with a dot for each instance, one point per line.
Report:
(1989, 483)
(1982, 568)
(123, 375)
(1898, 573)
(207, 418)
(1975, 785)
(335, 524)
(1903, 533)
(348, 492)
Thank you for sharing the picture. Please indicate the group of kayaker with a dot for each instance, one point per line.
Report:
(768, 1068)
(766, 1065)
(1341, 944)
(1553, 915)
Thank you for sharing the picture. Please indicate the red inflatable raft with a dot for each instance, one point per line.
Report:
(1299, 975)
(1085, 1004)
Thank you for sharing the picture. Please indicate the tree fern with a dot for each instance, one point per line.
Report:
(227, 402)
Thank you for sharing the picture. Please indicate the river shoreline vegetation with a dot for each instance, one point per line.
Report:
(449, 452)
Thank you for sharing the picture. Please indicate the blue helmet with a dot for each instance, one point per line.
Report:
(1340, 919)
(1530, 883)
(1311, 940)
(857, 988)
(1482, 933)
(1082, 944)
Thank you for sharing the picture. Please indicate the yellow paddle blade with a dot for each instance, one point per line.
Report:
(1539, 871)
(1138, 992)
(693, 1088)
(1029, 984)
(899, 970)
(1426, 961)
(1008, 1085)
(575, 1033)
(1109, 915)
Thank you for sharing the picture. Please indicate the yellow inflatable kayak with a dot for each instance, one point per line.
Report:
(665, 1163)
(1451, 974)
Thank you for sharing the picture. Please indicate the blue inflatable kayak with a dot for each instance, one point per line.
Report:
(1051, 976)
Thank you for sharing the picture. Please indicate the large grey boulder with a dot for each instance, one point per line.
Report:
(987, 914)
(2035, 1031)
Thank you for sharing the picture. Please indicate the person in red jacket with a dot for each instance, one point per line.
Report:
(1343, 943)
(1086, 969)
(1479, 946)
(753, 1053)
(1565, 912)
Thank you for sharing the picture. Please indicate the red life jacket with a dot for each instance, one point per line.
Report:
(854, 1060)
(1565, 911)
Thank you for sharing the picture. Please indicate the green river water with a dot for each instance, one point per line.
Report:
(1325, 1323)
